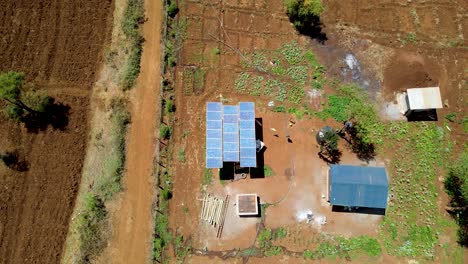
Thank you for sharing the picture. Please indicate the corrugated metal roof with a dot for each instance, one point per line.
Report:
(358, 186)
(424, 98)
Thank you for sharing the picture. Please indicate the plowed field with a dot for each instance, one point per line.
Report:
(58, 44)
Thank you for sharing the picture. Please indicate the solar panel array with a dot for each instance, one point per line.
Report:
(214, 142)
(248, 154)
(230, 134)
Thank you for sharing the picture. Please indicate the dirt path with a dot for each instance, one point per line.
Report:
(132, 222)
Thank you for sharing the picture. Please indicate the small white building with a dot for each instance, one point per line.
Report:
(420, 99)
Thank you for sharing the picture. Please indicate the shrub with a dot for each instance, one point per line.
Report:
(304, 13)
(165, 132)
(169, 106)
(90, 223)
(166, 194)
(173, 8)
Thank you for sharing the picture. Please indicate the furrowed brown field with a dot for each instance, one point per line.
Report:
(59, 45)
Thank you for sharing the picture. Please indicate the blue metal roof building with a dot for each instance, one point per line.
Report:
(358, 186)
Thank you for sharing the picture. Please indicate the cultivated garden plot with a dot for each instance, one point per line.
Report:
(248, 51)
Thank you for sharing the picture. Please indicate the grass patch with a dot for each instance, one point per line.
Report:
(249, 252)
(351, 102)
(134, 16)
(267, 171)
(92, 218)
(279, 109)
(207, 177)
(451, 117)
(181, 155)
(110, 182)
(90, 225)
(299, 114)
(181, 250)
(163, 236)
(347, 248)
(409, 228)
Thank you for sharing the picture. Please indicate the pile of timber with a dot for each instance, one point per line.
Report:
(212, 210)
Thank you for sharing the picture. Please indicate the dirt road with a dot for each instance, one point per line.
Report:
(132, 222)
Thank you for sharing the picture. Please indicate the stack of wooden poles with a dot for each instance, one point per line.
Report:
(214, 211)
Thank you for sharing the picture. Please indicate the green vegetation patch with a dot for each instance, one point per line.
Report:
(296, 94)
(409, 228)
(134, 16)
(348, 248)
(292, 52)
(298, 74)
(241, 82)
(110, 181)
(207, 177)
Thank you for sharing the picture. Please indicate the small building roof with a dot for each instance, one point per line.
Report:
(358, 186)
(247, 204)
(424, 98)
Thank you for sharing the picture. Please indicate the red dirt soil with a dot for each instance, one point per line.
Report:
(58, 44)
(132, 220)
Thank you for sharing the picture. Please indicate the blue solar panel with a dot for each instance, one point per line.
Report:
(248, 162)
(230, 147)
(248, 154)
(212, 106)
(247, 115)
(214, 143)
(214, 163)
(247, 143)
(214, 153)
(247, 133)
(214, 132)
(214, 124)
(246, 124)
(214, 116)
(231, 156)
(247, 106)
(234, 119)
(231, 137)
(230, 128)
(231, 110)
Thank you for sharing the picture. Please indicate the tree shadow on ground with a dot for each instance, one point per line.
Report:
(54, 115)
(333, 157)
(364, 151)
(311, 27)
(14, 161)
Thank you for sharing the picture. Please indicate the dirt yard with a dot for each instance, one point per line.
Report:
(59, 45)
(367, 43)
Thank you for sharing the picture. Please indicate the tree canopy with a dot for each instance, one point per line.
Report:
(304, 13)
(456, 185)
(10, 85)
